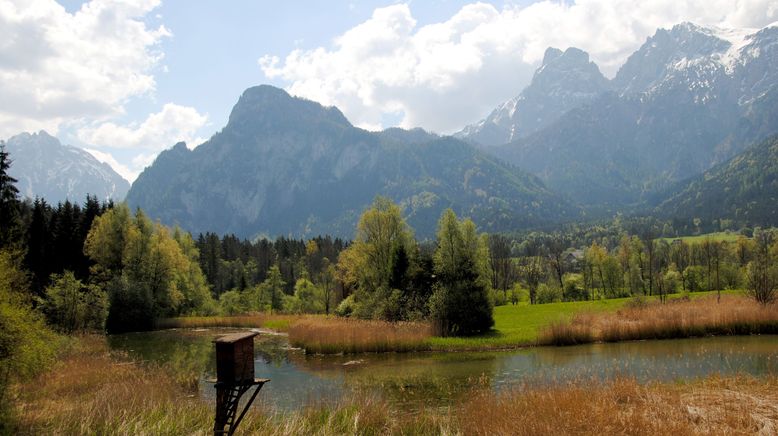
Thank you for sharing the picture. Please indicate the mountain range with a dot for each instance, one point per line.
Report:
(48, 169)
(289, 166)
(688, 99)
(683, 130)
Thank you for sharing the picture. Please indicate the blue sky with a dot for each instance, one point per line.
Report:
(126, 79)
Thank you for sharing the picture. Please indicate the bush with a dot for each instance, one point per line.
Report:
(548, 294)
(671, 281)
(72, 306)
(695, 278)
(232, 303)
(27, 346)
(498, 297)
(573, 288)
(346, 307)
(518, 294)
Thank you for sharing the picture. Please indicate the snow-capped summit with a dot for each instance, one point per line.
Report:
(564, 81)
(46, 168)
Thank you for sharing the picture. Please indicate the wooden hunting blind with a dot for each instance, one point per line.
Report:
(234, 377)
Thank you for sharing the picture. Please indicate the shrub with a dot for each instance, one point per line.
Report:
(232, 303)
(72, 306)
(573, 288)
(548, 294)
(346, 307)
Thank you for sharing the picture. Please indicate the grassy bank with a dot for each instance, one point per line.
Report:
(515, 326)
(91, 391)
(676, 319)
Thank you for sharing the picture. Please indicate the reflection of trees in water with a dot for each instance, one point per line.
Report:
(183, 352)
(413, 379)
(679, 359)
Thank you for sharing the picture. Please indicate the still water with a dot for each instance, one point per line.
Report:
(415, 380)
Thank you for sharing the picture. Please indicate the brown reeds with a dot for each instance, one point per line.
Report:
(676, 319)
(272, 321)
(94, 391)
(739, 405)
(338, 335)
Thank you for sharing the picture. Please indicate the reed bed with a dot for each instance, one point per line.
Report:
(271, 321)
(93, 391)
(738, 405)
(734, 315)
(337, 335)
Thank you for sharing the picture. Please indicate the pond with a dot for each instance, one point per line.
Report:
(415, 380)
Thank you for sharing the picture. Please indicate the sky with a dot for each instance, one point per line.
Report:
(126, 79)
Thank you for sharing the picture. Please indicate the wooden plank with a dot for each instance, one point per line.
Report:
(234, 337)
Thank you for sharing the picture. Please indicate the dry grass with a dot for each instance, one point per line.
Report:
(337, 335)
(275, 322)
(91, 391)
(676, 319)
(740, 405)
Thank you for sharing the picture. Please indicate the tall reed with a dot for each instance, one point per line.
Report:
(276, 322)
(337, 335)
(734, 315)
(739, 405)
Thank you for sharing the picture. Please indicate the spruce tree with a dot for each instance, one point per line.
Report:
(9, 202)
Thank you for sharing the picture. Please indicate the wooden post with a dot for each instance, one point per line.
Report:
(234, 377)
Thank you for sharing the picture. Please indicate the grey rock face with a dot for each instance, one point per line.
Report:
(288, 166)
(48, 169)
(565, 80)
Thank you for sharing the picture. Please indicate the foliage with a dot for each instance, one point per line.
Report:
(460, 302)
(762, 272)
(147, 272)
(72, 306)
(232, 303)
(573, 288)
(27, 346)
(549, 293)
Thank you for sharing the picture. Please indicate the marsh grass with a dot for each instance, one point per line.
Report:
(93, 391)
(676, 319)
(275, 322)
(338, 335)
(738, 405)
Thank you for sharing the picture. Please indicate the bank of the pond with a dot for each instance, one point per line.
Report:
(708, 316)
(516, 326)
(93, 391)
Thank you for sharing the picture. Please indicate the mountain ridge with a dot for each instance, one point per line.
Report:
(288, 166)
(46, 168)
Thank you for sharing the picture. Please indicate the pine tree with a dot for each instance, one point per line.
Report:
(9, 202)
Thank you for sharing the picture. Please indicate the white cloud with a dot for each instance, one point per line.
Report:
(144, 140)
(443, 75)
(159, 131)
(59, 67)
(122, 170)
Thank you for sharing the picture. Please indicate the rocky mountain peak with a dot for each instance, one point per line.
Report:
(44, 167)
(565, 80)
(267, 108)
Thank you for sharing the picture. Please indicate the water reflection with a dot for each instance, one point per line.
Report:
(415, 380)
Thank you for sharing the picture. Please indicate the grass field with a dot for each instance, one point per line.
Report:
(717, 236)
(519, 325)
